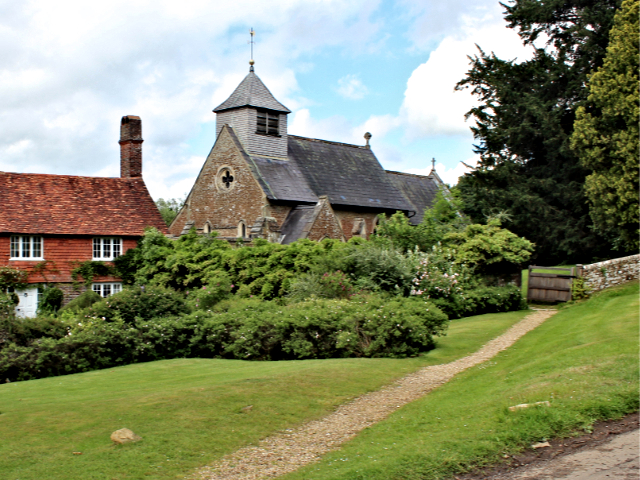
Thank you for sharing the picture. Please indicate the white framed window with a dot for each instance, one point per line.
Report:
(26, 247)
(106, 248)
(106, 289)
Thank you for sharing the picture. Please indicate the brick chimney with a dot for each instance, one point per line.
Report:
(130, 147)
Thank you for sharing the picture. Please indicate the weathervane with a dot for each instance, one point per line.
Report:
(251, 62)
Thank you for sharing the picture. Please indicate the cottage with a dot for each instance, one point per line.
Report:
(50, 223)
(260, 182)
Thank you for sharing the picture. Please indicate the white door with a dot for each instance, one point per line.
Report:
(28, 305)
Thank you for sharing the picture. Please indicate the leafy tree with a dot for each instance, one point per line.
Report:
(169, 208)
(606, 133)
(524, 122)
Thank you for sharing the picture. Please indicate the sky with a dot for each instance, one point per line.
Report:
(71, 69)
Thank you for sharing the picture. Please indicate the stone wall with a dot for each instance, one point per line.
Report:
(611, 272)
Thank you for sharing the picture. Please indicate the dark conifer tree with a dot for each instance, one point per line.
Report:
(524, 123)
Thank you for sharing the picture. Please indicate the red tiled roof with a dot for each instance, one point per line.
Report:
(70, 205)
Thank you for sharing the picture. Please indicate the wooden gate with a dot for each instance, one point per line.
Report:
(551, 285)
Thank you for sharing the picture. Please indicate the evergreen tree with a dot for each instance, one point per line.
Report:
(524, 123)
(605, 134)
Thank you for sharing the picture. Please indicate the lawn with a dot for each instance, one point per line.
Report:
(583, 360)
(189, 411)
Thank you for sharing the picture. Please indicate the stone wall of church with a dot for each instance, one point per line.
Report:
(244, 122)
(224, 194)
(356, 223)
(326, 224)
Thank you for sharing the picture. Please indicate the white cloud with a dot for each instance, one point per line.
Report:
(351, 87)
(72, 68)
(431, 105)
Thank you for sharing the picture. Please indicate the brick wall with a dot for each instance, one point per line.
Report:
(211, 201)
(611, 272)
(59, 252)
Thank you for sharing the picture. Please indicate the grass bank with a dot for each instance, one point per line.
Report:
(189, 411)
(584, 361)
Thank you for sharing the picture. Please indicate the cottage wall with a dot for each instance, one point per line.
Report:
(211, 204)
(60, 253)
(598, 276)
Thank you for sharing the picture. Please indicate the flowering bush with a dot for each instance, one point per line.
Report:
(438, 276)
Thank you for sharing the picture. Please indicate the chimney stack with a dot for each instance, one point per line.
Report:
(130, 147)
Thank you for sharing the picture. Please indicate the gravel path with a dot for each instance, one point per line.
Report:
(286, 452)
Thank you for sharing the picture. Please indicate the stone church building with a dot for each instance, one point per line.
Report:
(260, 182)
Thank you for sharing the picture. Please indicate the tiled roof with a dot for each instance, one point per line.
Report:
(70, 205)
(419, 190)
(252, 93)
(349, 175)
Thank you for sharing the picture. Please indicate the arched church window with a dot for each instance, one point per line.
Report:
(242, 229)
(207, 227)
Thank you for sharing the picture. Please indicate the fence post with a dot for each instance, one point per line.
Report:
(579, 270)
(529, 283)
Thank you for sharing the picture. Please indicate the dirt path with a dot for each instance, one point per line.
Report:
(286, 452)
(618, 458)
(611, 450)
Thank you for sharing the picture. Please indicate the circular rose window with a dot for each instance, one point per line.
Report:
(225, 179)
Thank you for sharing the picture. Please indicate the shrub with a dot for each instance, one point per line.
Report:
(205, 298)
(82, 301)
(327, 285)
(50, 300)
(139, 302)
(370, 326)
(482, 300)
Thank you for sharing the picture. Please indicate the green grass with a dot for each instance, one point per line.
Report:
(584, 360)
(189, 411)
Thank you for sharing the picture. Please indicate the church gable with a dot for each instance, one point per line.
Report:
(314, 222)
(226, 196)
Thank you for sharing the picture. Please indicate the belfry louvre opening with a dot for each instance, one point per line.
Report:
(267, 123)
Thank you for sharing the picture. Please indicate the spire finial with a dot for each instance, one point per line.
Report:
(251, 62)
(367, 137)
(433, 165)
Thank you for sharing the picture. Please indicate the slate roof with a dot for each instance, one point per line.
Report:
(418, 190)
(71, 205)
(349, 175)
(296, 222)
(252, 93)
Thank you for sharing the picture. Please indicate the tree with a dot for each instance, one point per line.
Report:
(169, 208)
(605, 135)
(524, 122)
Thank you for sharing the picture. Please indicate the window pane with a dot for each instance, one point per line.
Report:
(106, 290)
(26, 247)
(116, 288)
(15, 247)
(37, 247)
(97, 288)
(106, 248)
(96, 248)
(117, 247)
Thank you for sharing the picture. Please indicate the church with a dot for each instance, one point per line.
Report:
(259, 181)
